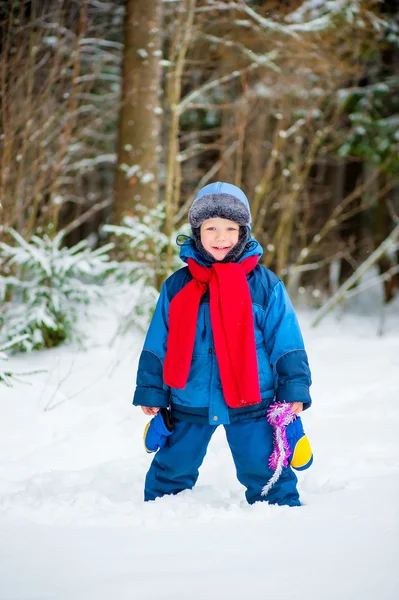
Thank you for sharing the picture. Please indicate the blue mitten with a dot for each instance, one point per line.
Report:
(302, 455)
(157, 430)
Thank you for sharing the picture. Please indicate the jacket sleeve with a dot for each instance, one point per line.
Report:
(150, 387)
(286, 350)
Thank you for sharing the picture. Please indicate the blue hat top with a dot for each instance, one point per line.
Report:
(220, 199)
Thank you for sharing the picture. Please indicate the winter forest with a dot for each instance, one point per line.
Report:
(113, 115)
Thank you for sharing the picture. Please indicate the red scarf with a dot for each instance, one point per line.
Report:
(232, 327)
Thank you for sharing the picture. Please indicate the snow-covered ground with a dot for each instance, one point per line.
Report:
(73, 524)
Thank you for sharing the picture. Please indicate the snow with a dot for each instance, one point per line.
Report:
(311, 11)
(147, 178)
(73, 523)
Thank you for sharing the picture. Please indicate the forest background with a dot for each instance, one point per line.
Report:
(115, 113)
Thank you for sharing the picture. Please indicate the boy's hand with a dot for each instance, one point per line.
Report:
(297, 407)
(149, 410)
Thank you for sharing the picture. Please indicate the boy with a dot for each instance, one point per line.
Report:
(223, 344)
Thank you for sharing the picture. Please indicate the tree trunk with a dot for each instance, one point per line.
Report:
(136, 181)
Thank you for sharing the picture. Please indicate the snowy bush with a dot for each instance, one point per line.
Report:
(44, 286)
(8, 375)
(147, 245)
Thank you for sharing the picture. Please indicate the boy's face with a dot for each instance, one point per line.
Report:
(219, 236)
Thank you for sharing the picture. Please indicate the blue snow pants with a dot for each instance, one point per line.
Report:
(175, 467)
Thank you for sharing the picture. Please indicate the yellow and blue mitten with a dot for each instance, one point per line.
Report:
(302, 455)
(158, 430)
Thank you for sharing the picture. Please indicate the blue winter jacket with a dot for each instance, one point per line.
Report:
(282, 361)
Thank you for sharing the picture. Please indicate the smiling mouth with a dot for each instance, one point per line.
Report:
(221, 247)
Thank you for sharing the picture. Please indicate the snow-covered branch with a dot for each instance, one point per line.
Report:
(357, 275)
(186, 101)
(263, 60)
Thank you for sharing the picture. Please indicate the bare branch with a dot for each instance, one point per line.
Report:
(85, 217)
(203, 181)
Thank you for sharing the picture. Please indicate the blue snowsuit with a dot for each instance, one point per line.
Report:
(200, 407)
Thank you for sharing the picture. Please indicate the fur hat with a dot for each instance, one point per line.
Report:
(226, 201)
(220, 199)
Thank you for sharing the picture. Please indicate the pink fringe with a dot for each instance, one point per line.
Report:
(279, 416)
